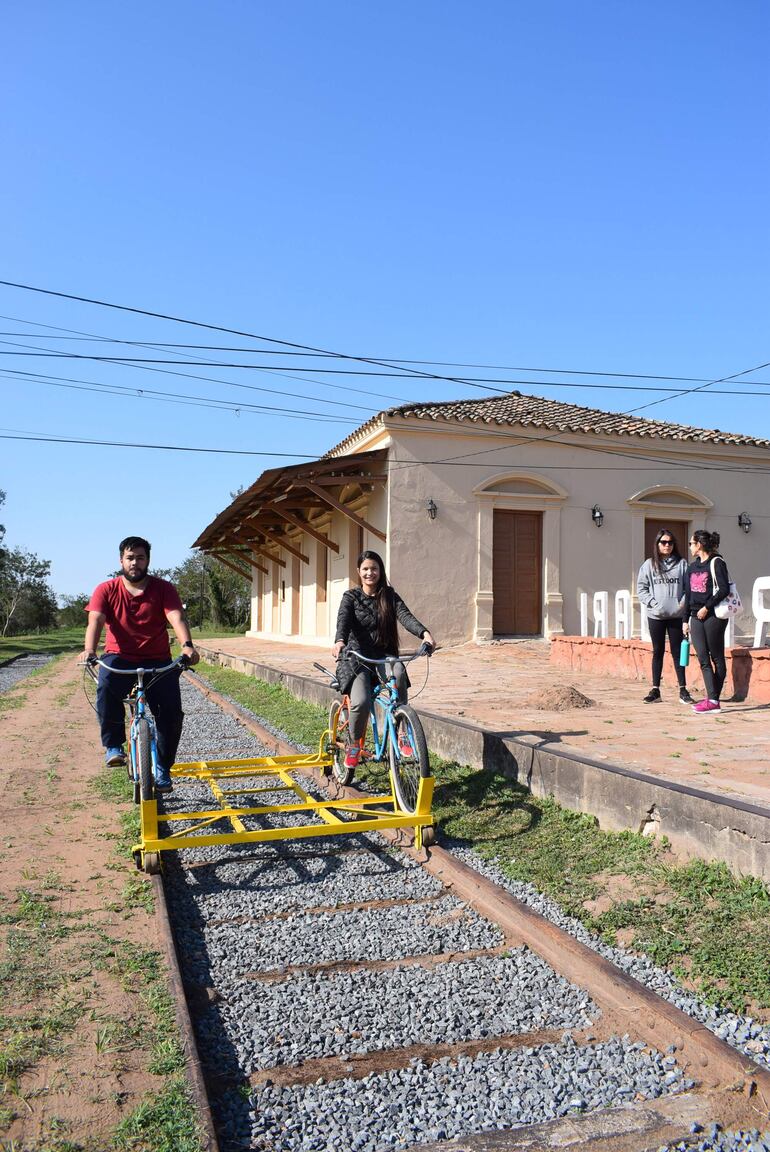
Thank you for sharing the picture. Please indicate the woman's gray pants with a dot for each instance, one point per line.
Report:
(361, 696)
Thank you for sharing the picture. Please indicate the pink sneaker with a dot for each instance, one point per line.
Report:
(351, 756)
(707, 706)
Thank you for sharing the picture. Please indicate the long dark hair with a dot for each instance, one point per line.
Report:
(387, 626)
(675, 553)
(709, 541)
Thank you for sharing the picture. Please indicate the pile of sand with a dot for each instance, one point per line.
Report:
(559, 698)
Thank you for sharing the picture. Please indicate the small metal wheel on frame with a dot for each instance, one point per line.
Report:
(429, 835)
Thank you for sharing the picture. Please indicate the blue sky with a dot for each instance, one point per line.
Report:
(547, 185)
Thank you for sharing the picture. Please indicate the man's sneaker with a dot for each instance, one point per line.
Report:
(706, 706)
(114, 757)
(652, 696)
(163, 780)
(404, 743)
(685, 697)
(351, 756)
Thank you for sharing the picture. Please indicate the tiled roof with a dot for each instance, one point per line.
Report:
(515, 408)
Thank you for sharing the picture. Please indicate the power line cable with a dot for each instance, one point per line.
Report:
(249, 335)
(381, 359)
(129, 393)
(231, 331)
(648, 463)
(701, 388)
(283, 374)
(182, 397)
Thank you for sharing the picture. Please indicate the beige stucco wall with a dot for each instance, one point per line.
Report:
(443, 568)
(447, 563)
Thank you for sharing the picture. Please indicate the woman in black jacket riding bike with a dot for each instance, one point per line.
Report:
(367, 623)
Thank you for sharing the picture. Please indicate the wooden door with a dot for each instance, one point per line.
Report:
(517, 608)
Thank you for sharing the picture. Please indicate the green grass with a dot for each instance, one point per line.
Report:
(57, 642)
(62, 640)
(706, 926)
(164, 1123)
(304, 721)
(50, 1000)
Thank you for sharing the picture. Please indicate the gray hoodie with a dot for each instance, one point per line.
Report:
(662, 592)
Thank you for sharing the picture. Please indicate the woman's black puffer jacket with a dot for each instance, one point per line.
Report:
(357, 629)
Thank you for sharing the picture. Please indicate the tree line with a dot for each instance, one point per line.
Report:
(213, 595)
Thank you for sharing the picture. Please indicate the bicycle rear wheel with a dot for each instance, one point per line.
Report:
(143, 743)
(339, 734)
(409, 759)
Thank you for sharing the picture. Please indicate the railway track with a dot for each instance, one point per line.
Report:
(357, 996)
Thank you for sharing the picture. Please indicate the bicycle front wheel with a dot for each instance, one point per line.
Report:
(143, 745)
(339, 735)
(409, 758)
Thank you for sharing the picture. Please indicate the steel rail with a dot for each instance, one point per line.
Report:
(730, 1085)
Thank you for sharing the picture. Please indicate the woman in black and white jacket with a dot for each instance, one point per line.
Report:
(660, 587)
(367, 622)
(702, 593)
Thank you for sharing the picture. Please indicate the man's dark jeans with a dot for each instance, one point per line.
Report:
(163, 696)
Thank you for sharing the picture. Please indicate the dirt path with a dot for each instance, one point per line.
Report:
(76, 926)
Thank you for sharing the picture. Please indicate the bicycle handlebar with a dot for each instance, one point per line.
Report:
(182, 662)
(405, 657)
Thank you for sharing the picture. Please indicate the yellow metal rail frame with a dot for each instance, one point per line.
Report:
(334, 817)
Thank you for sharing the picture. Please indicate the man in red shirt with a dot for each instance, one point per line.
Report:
(136, 608)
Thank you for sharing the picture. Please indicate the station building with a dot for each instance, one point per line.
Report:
(493, 516)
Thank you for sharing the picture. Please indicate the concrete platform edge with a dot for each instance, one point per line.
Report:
(698, 824)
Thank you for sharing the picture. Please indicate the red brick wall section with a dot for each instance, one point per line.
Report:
(748, 669)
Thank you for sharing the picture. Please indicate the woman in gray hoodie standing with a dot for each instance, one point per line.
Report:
(660, 587)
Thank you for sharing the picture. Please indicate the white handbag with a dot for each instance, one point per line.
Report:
(732, 604)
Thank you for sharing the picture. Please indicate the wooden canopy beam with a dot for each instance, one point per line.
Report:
(305, 527)
(289, 548)
(330, 500)
(228, 564)
(259, 550)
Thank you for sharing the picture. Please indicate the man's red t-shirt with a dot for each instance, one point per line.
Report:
(136, 625)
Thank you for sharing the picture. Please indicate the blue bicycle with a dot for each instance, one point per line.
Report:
(142, 741)
(394, 734)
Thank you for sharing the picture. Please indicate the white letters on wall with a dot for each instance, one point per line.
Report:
(644, 626)
(622, 615)
(624, 628)
(760, 610)
(601, 612)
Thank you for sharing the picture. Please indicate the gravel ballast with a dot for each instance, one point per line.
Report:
(20, 668)
(244, 914)
(428, 1102)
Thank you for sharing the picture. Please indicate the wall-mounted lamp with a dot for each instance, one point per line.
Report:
(744, 521)
(597, 515)
(432, 510)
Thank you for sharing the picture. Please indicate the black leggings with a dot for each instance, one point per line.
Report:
(658, 630)
(708, 637)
